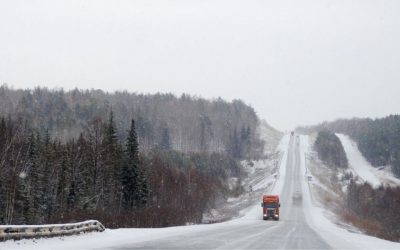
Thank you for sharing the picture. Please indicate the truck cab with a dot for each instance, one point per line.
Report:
(270, 207)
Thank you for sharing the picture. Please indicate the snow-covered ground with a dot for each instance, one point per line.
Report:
(362, 168)
(357, 162)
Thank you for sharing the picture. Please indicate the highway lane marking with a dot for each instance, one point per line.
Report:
(235, 242)
(287, 237)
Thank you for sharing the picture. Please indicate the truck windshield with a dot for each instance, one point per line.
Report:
(270, 205)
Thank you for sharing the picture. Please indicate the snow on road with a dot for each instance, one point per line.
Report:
(357, 162)
(282, 147)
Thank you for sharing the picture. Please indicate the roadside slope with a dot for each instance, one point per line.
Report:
(328, 229)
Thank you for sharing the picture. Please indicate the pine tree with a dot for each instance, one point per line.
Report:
(48, 163)
(143, 191)
(38, 182)
(112, 167)
(33, 178)
(165, 142)
(62, 183)
(135, 189)
(111, 134)
(234, 146)
(130, 170)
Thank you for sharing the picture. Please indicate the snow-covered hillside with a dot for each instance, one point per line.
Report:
(362, 168)
(270, 136)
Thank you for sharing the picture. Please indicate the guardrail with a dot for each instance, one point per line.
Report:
(18, 232)
(278, 168)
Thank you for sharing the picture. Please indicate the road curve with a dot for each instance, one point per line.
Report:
(251, 232)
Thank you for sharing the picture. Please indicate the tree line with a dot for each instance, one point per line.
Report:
(97, 175)
(42, 177)
(185, 123)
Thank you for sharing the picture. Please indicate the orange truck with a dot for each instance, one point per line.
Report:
(270, 207)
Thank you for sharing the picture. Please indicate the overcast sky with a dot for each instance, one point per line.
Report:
(296, 62)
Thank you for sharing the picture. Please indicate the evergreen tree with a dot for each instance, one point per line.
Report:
(234, 146)
(38, 182)
(112, 160)
(48, 163)
(165, 142)
(143, 191)
(111, 134)
(135, 190)
(130, 170)
(245, 141)
(62, 183)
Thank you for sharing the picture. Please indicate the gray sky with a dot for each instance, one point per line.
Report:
(296, 62)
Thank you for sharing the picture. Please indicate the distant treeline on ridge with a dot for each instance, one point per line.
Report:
(188, 124)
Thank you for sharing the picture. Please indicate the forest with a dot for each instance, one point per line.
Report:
(330, 150)
(189, 124)
(375, 210)
(377, 139)
(164, 161)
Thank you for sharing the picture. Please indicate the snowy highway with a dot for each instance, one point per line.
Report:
(251, 232)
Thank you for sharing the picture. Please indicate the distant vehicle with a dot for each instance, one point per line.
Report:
(309, 177)
(270, 207)
(297, 198)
